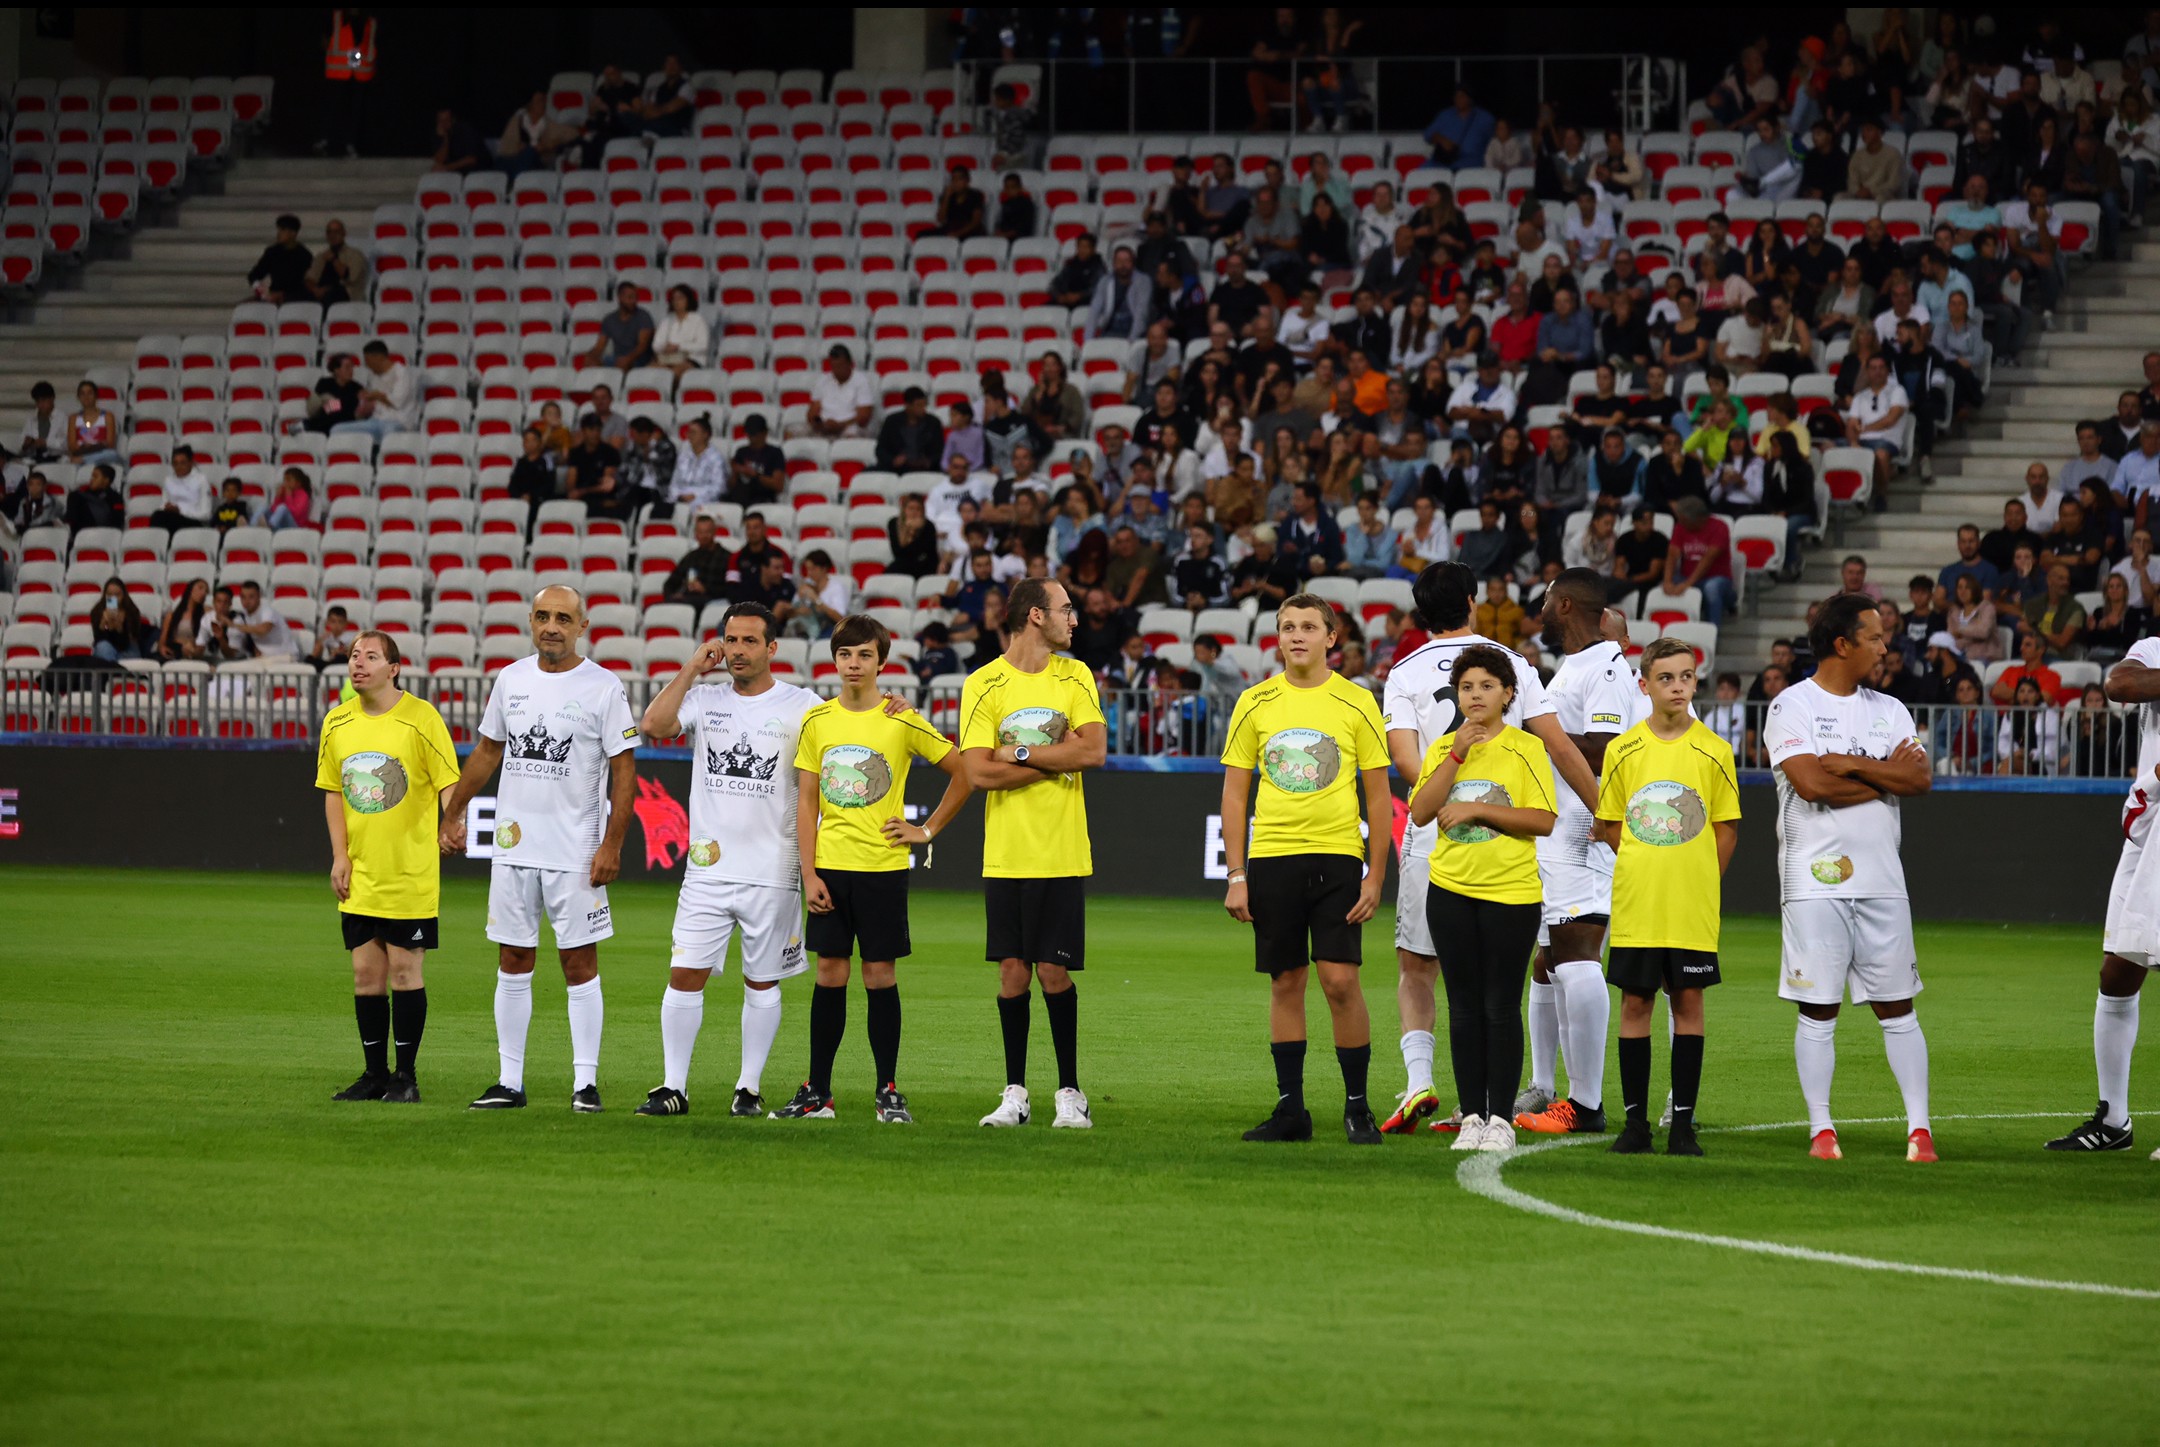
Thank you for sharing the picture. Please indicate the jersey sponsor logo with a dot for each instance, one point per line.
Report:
(740, 760)
(851, 776)
(373, 783)
(1301, 761)
(1606, 718)
(630, 732)
(704, 852)
(537, 745)
(1832, 869)
(1665, 813)
(1032, 726)
(507, 835)
(1477, 791)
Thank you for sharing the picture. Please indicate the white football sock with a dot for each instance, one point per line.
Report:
(760, 1027)
(1544, 1035)
(1585, 1012)
(1907, 1049)
(585, 1017)
(513, 1018)
(1815, 1052)
(2115, 1025)
(682, 1013)
(1417, 1054)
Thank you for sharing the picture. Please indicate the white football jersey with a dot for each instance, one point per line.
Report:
(1826, 853)
(558, 731)
(2147, 652)
(1420, 695)
(1593, 692)
(742, 782)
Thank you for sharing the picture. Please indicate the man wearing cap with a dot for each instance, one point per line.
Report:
(281, 274)
(841, 400)
(1481, 405)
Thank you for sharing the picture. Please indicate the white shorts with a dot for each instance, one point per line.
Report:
(1833, 944)
(1413, 877)
(517, 897)
(2133, 915)
(770, 917)
(1575, 887)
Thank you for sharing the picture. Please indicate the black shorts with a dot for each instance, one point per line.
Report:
(869, 914)
(1648, 969)
(1301, 910)
(406, 934)
(1036, 921)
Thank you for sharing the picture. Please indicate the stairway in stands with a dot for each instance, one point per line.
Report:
(186, 276)
(2109, 318)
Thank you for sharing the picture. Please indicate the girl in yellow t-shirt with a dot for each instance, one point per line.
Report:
(1490, 786)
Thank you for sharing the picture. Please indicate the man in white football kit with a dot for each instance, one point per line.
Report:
(1844, 755)
(561, 729)
(1420, 706)
(742, 873)
(2132, 937)
(1596, 698)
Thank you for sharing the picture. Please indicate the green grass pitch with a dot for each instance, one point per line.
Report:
(201, 1247)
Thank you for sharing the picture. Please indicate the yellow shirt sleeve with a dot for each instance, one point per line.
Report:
(1433, 756)
(1087, 707)
(807, 751)
(924, 742)
(1372, 732)
(1537, 772)
(978, 730)
(442, 751)
(326, 769)
(1241, 740)
(1724, 801)
(1612, 792)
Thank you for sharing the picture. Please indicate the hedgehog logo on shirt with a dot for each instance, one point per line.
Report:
(1301, 761)
(851, 776)
(1665, 813)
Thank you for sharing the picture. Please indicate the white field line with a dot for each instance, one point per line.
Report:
(1481, 1176)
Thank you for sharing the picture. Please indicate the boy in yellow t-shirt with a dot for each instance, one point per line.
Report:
(851, 770)
(1667, 805)
(384, 764)
(1317, 744)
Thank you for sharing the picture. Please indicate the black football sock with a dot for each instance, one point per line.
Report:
(1289, 1075)
(1635, 1076)
(408, 1022)
(1355, 1061)
(373, 1014)
(1013, 1024)
(1687, 1052)
(828, 1022)
(884, 1008)
(1063, 1008)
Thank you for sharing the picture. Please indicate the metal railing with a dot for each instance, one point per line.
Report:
(258, 704)
(1139, 94)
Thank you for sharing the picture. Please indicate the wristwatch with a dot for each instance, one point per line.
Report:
(1020, 753)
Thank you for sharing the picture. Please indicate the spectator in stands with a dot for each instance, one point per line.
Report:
(683, 340)
(961, 210)
(1005, 429)
(1274, 57)
(1263, 575)
(334, 641)
(765, 581)
(339, 272)
(1984, 157)
(588, 459)
(1123, 300)
(1324, 240)
(1015, 219)
(842, 401)
(34, 504)
(184, 623)
(1365, 330)
(2118, 624)
(2090, 462)
(1700, 556)
(1971, 620)
(669, 100)
(1458, 135)
(911, 440)
(2078, 541)
(2137, 477)
(1136, 572)
(1054, 404)
(701, 474)
(1672, 473)
(613, 110)
(1969, 560)
(1822, 165)
(96, 504)
(232, 510)
(1396, 272)
(42, 433)
(2141, 570)
(648, 464)
(914, 539)
(187, 497)
(2118, 434)
(1844, 304)
(963, 439)
(1745, 94)
(1075, 282)
(822, 596)
(267, 633)
(700, 575)
(2031, 664)
(1740, 338)
(1486, 550)
(1370, 548)
(93, 432)
(389, 400)
(1686, 347)
(1873, 418)
(1566, 343)
(532, 477)
(1481, 405)
(532, 139)
(458, 146)
(1225, 203)
(1101, 631)
(337, 395)
(625, 338)
(280, 275)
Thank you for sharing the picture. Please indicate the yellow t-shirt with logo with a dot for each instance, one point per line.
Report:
(390, 768)
(1665, 796)
(1510, 769)
(1308, 745)
(860, 762)
(1038, 831)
